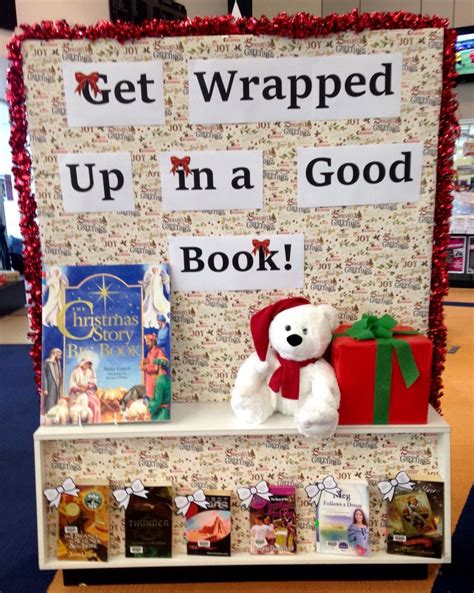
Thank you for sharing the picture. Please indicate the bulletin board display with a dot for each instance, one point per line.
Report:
(360, 258)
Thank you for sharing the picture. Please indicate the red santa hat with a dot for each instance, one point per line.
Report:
(260, 322)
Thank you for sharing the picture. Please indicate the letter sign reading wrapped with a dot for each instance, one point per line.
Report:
(294, 89)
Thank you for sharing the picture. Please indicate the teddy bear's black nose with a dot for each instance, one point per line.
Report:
(294, 340)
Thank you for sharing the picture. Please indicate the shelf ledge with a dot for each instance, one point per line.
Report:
(218, 419)
(241, 558)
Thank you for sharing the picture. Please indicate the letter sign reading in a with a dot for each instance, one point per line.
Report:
(294, 89)
(362, 174)
(236, 263)
(114, 93)
(211, 180)
(96, 182)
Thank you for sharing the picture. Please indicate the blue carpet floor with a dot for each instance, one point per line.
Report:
(458, 577)
(19, 415)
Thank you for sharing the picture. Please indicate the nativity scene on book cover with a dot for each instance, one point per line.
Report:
(106, 344)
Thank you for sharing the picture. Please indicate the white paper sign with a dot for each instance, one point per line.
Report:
(294, 89)
(96, 181)
(211, 180)
(359, 174)
(236, 263)
(114, 93)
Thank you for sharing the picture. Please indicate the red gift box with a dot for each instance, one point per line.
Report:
(354, 362)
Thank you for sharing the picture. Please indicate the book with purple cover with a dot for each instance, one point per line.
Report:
(273, 522)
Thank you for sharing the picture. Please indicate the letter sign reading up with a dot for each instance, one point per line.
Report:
(362, 174)
(96, 181)
(294, 89)
(114, 93)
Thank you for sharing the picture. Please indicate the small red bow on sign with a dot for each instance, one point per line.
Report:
(91, 79)
(184, 163)
(263, 245)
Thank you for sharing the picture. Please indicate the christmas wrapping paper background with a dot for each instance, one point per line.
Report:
(230, 462)
(360, 258)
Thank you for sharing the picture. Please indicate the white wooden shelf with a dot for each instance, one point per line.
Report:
(215, 420)
(240, 559)
(218, 419)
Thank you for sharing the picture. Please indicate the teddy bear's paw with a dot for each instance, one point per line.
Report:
(314, 423)
(247, 408)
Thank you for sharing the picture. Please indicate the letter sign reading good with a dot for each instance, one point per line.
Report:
(96, 181)
(211, 180)
(370, 174)
(114, 93)
(236, 263)
(294, 89)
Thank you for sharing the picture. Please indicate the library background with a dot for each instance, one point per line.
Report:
(236, 308)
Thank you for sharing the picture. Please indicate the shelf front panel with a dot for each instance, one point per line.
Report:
(243, 559)
(218, 419)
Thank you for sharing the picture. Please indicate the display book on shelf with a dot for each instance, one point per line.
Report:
(214, 420)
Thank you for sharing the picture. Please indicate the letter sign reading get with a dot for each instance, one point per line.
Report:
(370, 174)
(114, 93)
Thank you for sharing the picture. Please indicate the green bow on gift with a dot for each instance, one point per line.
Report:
(370, 327)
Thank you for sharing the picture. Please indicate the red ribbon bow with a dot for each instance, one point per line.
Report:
(264, 245)
(184, 163)
(91, 79)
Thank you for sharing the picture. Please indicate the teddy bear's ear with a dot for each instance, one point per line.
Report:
(330, 314)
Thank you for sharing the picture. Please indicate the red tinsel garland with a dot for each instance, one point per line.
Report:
(300, 26)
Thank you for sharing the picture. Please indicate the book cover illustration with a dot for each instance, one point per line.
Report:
(273, 522)
(342, 524)
(415, 520)
(148, 524)
(83, 524)
(208, 531)
(106, 344)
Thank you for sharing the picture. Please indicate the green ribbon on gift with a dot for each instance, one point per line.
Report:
(370, 327)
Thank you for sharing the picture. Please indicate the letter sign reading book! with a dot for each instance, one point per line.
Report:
(114, 93)
(96, 182)
(211, 180)
(236, 263)
(294, 89)
(363, 174)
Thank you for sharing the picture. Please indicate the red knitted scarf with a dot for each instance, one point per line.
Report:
(287, 376)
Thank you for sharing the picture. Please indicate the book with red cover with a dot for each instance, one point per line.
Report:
(208, 530)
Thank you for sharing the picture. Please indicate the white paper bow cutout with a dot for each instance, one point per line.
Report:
(314, 491)
(246, 494)
(122, 496)
(401, 480)
(184, 502)
(54, 494)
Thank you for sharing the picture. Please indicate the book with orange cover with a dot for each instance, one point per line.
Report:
(83, 524)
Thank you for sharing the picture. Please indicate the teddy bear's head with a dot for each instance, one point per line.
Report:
(303, 332)
(294, 328)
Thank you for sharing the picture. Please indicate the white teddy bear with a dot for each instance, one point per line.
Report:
(287, 372)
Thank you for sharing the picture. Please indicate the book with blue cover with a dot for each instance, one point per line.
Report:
(106, 344)
(342, 523)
